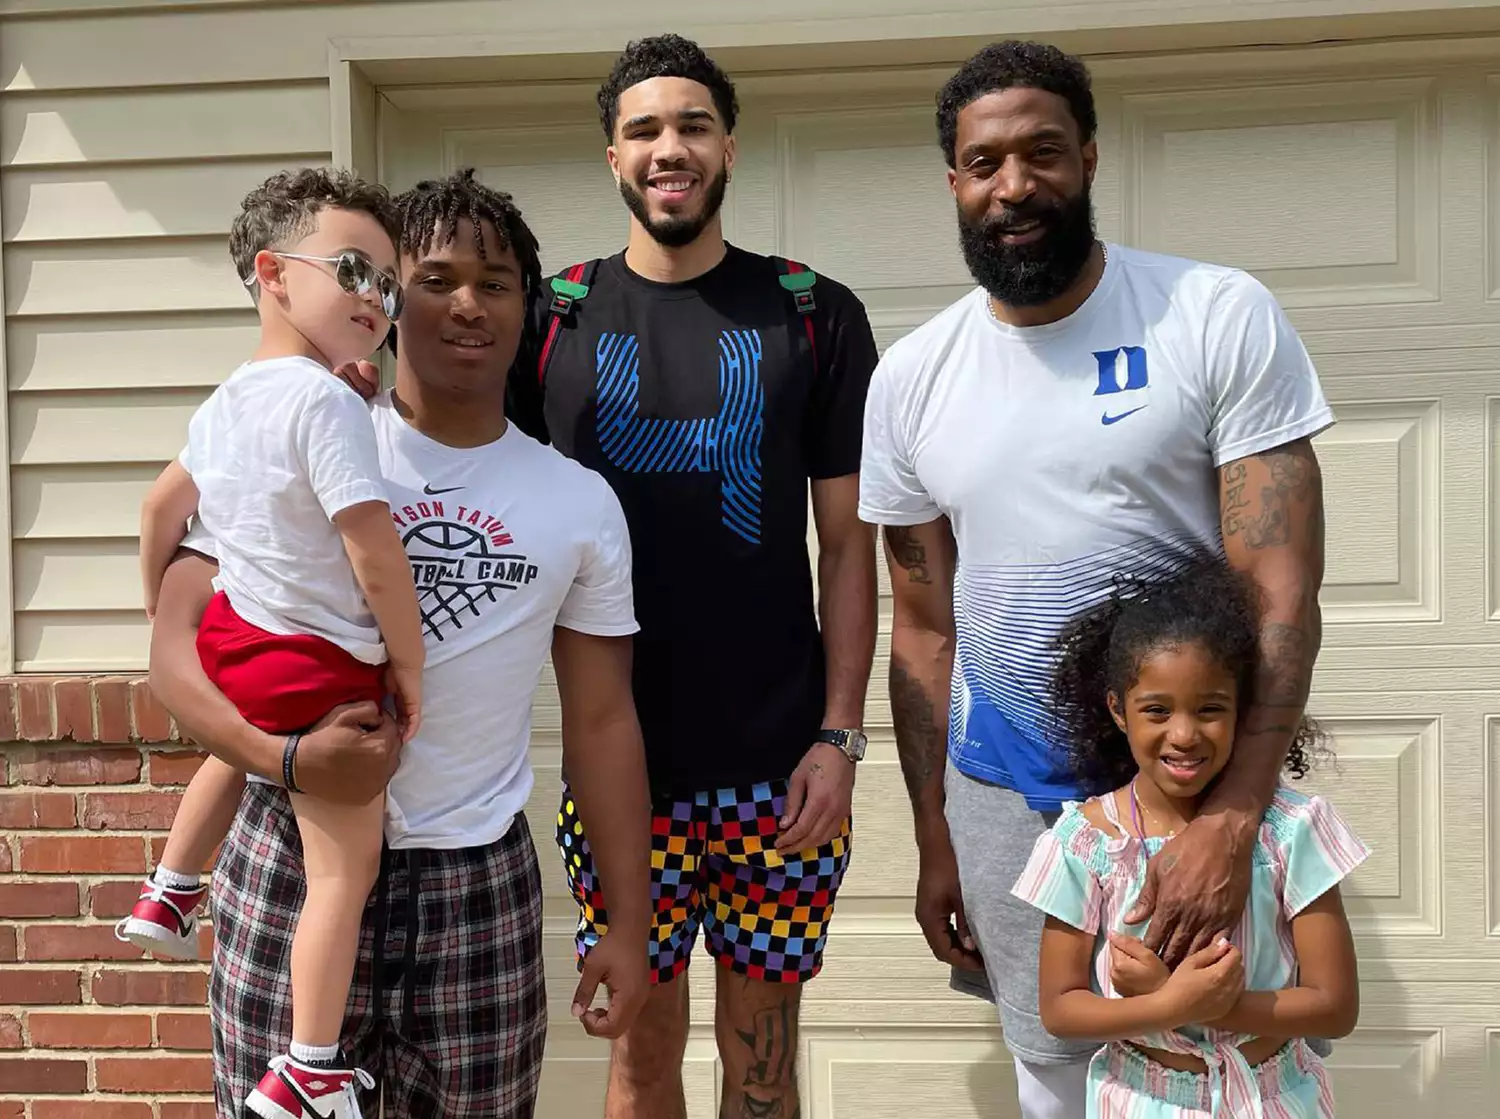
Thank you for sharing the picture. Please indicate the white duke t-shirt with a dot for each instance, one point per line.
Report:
(1067, 454)
(506, 542)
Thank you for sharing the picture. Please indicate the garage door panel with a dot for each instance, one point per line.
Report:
(1353, 199)
(558, 177)
(1328, 192)
(1386, 1071)
(1491, 764)
(1424, 345)
(576, 1071)
(1492, 507)
(954, 1075)
(865, 197)
(1382, 473)
(1490, 126)
(1386, 785)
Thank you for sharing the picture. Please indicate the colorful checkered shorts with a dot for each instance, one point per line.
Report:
(448, 1015)
(714, 865)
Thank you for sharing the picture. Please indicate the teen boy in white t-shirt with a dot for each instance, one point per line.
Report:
(1089, 411)
(515, 551)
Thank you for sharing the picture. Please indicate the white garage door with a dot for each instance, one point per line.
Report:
(1354, 185)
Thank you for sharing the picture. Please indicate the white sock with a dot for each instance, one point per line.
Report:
(173, 880)
(323, 1056)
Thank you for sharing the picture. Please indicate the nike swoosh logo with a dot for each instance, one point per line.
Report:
(430, 492)
(1107, 419)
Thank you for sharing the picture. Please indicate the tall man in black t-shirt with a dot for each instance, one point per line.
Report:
(709, 385)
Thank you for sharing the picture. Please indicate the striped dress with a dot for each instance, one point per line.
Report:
(1089, 880)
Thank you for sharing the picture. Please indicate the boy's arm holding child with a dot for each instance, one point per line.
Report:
(170, 501)
(384, 574)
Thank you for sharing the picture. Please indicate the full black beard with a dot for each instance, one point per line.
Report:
(1029, 275)
(676, 232)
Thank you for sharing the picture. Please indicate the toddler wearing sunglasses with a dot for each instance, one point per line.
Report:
(315, 605)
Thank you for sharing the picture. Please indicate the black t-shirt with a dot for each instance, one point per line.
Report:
(700, 404)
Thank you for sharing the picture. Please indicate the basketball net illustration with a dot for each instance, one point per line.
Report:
(457, 572)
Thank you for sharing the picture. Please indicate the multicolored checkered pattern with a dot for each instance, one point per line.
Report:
(714, 866)
(467, 922)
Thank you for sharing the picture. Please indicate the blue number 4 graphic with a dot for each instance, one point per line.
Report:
(728, 443)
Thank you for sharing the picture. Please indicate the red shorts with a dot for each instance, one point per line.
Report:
(281, 683)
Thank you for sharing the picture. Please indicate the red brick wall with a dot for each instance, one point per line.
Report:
(89, 1029)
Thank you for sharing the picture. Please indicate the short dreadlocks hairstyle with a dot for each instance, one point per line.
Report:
(1012, 63)
(284, 209)
(1102, 650)
(665, 56)
(431, 211)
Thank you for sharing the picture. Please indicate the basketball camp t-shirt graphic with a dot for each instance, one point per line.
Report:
(463, 559)
(507, 542)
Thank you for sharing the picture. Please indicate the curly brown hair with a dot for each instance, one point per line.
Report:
(1101, 651)
(285, 208)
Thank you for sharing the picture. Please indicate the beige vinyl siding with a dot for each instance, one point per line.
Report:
(122, 311)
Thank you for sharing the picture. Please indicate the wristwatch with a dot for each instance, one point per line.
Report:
(851, 742)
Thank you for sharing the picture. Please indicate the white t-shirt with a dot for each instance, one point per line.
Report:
(1069, 453)
(276, 451)
(506, 541)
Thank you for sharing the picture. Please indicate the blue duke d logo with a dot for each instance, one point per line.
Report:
(1136, 376)
(728, 443)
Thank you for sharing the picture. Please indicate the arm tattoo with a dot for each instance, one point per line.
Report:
(1285, 666)
(909, 552)
(1267, 523)
(921, 742)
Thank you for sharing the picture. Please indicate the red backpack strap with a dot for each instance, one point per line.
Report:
(798, 279)
(567, 289)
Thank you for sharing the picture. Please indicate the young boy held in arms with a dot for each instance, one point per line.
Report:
(315, 605)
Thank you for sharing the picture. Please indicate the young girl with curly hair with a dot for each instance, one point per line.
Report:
(1147, 690)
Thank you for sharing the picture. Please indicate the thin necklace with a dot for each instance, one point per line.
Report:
(1136, 808)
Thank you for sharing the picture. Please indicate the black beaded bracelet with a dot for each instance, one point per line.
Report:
(289, 763)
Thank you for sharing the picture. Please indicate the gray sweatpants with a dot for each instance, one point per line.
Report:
(993, 833)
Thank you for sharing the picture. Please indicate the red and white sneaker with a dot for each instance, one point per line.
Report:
(290, 1090)
(164, 922)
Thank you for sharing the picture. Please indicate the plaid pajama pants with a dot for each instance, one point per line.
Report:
(448, 1016)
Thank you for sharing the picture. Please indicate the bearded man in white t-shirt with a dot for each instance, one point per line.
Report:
(515, 551)
(1089, 411)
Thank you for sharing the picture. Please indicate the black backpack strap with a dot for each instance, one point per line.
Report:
(567, 289)
(799, 279)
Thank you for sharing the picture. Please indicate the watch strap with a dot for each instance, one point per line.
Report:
(843, 740)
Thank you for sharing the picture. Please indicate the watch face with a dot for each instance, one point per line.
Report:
(851, 742)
